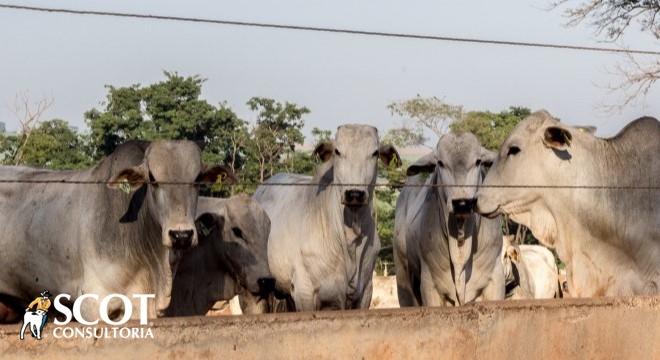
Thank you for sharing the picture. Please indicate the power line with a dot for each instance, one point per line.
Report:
(329, 30)
(184, 183)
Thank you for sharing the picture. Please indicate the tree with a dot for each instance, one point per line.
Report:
(404, 136)
(28, 114)
(277, 131)
(491, 128)
(53, 144)
(8, 148)
(320, 135)
(385, 205)
(611, 19)
(430, 113)
(170, 109)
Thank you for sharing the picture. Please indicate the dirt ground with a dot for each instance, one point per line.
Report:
(622, 328)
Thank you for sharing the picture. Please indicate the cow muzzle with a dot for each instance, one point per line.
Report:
(355, 199)
(483, 210)
(463, 208)
(266, 286)
(181, 239)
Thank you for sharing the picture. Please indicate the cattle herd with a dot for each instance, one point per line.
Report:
(135, 223)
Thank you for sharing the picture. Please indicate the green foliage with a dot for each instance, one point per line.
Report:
(53, 144)
(430, 113)
(170, 109)
(491, 128)
(320, 135)
(385, 204)
(404, 136)
(283, 121)
(8, 148)
(273, 139)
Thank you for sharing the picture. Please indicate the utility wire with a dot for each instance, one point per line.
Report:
(183, 183)
(328, 30)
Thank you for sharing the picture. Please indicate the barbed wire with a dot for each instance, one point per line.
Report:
(316, 184)
(327, 29)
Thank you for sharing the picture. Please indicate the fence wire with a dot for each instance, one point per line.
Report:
(317, 184)
(327, 29)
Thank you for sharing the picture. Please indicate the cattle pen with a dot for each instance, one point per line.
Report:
(604, 328)
(350, 180)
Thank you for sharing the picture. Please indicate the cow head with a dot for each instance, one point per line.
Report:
(538, 152)
(165, 180)
(458, 159)
(237, 233)
(354, 158)
(510, 256)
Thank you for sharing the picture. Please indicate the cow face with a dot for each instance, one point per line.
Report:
(354, 155)
(239, 235)
(460, 160)
(538, 152)
(166, 175)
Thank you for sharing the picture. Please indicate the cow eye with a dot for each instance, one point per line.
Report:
(337, 152)
(513, 150)
(237, 232)
(375, 154)
(441, 164)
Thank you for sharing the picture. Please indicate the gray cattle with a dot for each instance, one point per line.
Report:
(79, 239)
(608, 237)
(231, 257)
(323, 243)
(444, 252)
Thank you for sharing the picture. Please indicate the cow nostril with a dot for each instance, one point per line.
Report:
(181, 239)
(462, 206)
(353, 196)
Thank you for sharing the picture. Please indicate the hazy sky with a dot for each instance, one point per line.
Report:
(341, 78)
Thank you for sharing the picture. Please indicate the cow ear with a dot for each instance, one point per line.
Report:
(129, 179)
(207, 223)
(513, 253)
(219, 173)
(487, 157)
(388, 153)
(324, 151)
(426, 164)
(557, 138)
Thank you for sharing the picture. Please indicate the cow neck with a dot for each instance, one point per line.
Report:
(459, 237)
(192, 294)
(579, 226)
(344, 225)
(136, 239)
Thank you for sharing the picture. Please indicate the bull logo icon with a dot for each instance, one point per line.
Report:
(36, 319)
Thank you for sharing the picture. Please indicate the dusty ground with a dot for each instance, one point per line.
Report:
(384, 293)
(623, 328)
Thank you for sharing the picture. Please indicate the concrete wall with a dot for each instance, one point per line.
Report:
(625, 328)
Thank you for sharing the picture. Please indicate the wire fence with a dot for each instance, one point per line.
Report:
(327, 29)
(318, 184)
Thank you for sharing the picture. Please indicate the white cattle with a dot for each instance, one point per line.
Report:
(444, 252)
(323, 243)
(530, 272)
(594, 200)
